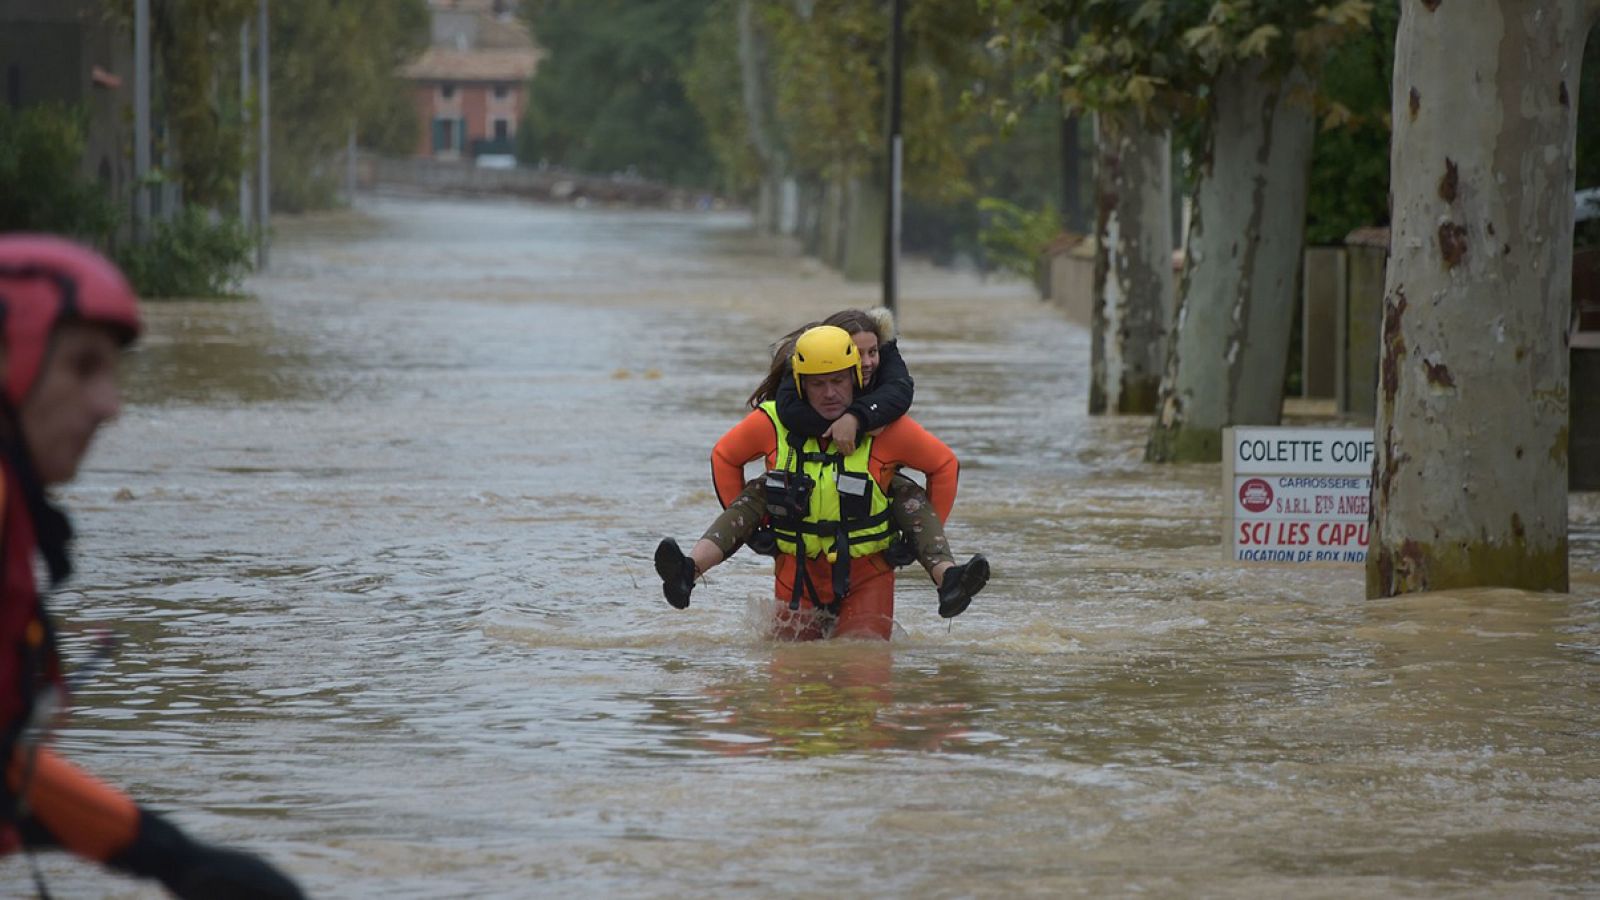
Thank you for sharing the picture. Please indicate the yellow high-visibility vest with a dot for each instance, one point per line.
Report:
(834, 478)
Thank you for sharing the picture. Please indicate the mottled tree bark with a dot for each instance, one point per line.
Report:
(1236, 303)
(1133, 293)
(1470, 479)
(756, 93)
(808, 225)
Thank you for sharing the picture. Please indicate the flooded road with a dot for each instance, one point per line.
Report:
(378, 546)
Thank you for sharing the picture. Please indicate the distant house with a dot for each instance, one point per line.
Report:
(471, 85)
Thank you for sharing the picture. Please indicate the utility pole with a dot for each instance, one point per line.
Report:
(141, 120)
(244, 114)
(891, 228)
(350, 167)
(1073, 216)
(264, 147)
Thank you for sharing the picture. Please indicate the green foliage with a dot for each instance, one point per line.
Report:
(829, 69)
(41, 149)
(197, 43)
(195, 51)
(827, 72)
(1025, 169)
(1589, 114)
(945, 55)
(1015, 237)
(713, 82)
(387, 122)
(1158, 58)
(610, 95)
(617, 90)
(1350, 161)
(334, 67)
(189, 255)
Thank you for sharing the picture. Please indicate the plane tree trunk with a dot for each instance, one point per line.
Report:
(1236, 304)
(755, 67)
(1470, 479)
(1133, 293)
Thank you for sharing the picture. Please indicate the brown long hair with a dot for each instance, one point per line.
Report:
(782, 351)
(853, 321)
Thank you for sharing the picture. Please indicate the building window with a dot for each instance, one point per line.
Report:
(447, 90)
(502, 130)
(502, 91)
(444, 135)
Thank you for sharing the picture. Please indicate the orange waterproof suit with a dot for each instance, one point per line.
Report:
(868, 609)
(60, 803)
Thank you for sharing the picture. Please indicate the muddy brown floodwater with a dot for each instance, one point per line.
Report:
(378, 544)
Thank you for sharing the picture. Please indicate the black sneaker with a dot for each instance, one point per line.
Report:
(960, 584)
(677, 573)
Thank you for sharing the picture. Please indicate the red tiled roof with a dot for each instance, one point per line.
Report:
(439, 63)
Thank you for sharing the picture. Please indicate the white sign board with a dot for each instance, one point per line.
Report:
(1297, 495)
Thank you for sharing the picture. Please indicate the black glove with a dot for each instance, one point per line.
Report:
(903, 552)
(195, 871)
(763, 542)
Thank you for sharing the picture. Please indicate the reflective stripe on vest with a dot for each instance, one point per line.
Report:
(819, 531)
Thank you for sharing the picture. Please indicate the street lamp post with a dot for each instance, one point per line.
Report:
(891, 228)
(264, 147)
(244, 107)
(141, 120)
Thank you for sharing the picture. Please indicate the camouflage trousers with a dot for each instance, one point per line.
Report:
(909, 510)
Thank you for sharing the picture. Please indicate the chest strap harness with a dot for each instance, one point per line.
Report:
(788, 493)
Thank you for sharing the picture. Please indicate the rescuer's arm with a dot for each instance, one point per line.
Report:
(753, 437)
(906, 444)
(795, 413)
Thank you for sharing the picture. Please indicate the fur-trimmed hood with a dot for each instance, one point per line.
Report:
(883, 323)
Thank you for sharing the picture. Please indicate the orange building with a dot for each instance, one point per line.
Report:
(471, 86)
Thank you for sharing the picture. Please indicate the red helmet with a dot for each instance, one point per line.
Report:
(45, 280)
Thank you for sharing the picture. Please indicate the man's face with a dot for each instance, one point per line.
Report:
(76, 392)
(830, 394)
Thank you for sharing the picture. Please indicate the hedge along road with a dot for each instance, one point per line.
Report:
(378, 542)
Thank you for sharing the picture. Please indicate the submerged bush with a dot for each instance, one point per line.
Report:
(1014, 237)
(41, 187)
(190, 255)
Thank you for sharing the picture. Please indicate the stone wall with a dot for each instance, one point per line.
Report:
(545, 185)
(1069, 279)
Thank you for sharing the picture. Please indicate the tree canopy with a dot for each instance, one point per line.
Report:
(334, 68)
(1350, 162)
(333, 64)
(41, 188)
(1589, 114)
(609, 94)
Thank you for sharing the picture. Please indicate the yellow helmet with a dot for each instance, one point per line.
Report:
(823, 350)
